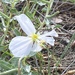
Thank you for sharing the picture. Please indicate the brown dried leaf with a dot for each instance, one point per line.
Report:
(71, 72)
(57, 20)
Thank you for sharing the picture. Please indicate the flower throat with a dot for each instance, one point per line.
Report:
(34, 37)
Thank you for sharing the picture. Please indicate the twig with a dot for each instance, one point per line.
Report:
(67, 68)
(39, 13)
(19, 69)
(53, 68)
(67, 9)
(66, 31)
(61, 3)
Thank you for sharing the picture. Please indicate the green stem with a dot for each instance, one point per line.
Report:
(26, 7)
(49, 73)
(40, 66)
(68, 46)
(49, 53)
(47, 12)
(48, 64)
(36, 62)
(9, 71)
(66, 49)
(50, 16)
(5, 32)
(1, 13)
(44, 1)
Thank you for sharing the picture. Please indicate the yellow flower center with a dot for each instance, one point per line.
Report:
(34, 37)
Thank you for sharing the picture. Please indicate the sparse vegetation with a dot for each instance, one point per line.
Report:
(48, 27)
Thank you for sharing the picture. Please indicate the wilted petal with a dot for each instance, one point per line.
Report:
(52, 33)
(20, 46)
(26, 24)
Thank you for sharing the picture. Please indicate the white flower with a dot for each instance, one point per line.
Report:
(21, 46)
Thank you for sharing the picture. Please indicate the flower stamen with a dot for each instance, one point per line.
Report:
(34, 37)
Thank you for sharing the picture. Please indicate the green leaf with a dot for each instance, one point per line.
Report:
(6, 54)
(1, 39)
(57, 26)
(34, 73)
(9, 72)
(41, 3)
(4, 15)
(39, 56)
(14, 61)
(16, 32)
(27, 68)
(5, 65)
(9, 1)
(72, 1)
(47, 22)
(2, 48)
(13, 10)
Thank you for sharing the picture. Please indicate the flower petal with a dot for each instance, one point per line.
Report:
(49, 40)
(52, 33)
(20, 46)
(36, 47)
(26, 24)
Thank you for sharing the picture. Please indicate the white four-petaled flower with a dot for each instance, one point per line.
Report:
(21, 46)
